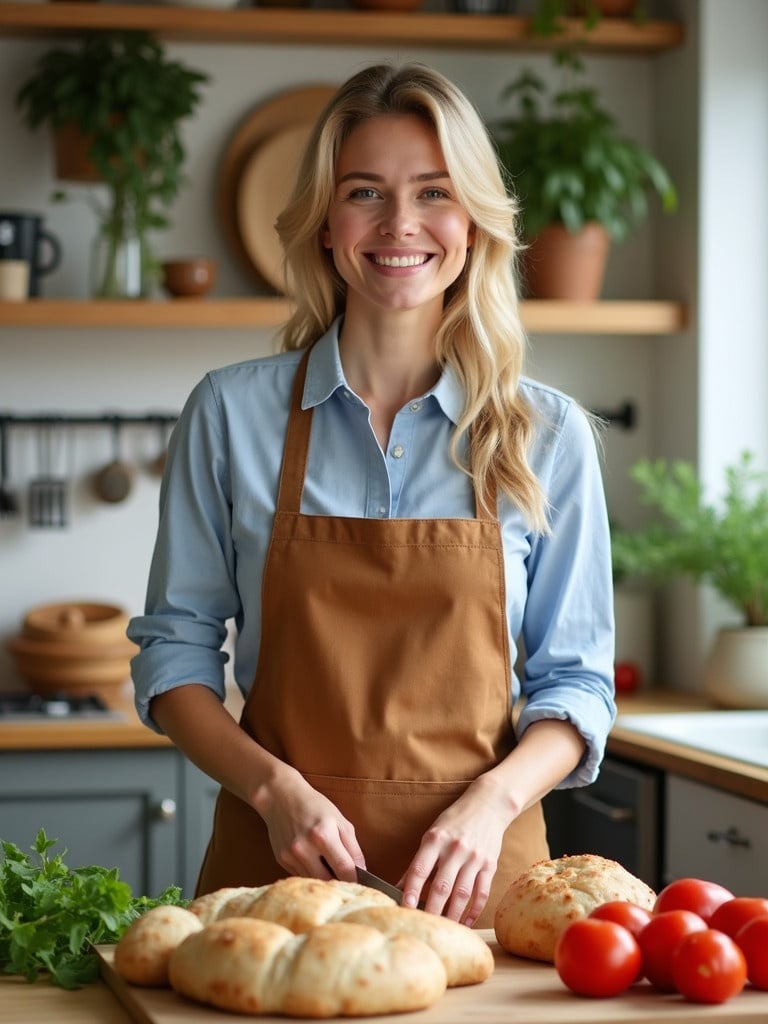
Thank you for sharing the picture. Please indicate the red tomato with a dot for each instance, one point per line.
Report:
(734, 914)
(694, 894)
(597, 958)
(752, 940)
(708, 967)
(626, 676)
(628, 915)
(658, 941)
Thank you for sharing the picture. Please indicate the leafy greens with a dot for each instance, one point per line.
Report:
(51, 915)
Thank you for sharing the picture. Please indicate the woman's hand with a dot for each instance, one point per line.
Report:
(458, 855)
(305, 828)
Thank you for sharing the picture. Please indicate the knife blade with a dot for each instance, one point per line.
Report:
(374, 882)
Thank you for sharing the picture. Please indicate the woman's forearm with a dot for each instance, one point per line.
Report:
(202, 728)
(548, 751)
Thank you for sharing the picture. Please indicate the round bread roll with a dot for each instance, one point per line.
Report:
(294, 902)
(543, 901)
(143, 952)
(335, 970)
(466, 956)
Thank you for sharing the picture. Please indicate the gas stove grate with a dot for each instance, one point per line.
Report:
(53, 708)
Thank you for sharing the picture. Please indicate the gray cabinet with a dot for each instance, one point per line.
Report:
(144, 811)
(618, 816)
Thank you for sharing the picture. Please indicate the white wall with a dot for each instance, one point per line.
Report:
(105, 551)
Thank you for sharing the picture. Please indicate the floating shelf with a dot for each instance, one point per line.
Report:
(312, 26)
(539, 317)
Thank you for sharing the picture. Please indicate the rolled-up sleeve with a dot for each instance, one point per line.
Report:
(191, 591)
(568, 626)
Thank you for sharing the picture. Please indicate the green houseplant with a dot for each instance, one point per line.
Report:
(573, 170)
(724, 545)
(121, 96)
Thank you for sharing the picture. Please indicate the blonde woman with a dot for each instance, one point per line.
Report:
(387, 509)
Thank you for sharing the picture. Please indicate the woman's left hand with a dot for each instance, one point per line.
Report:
(458, 855)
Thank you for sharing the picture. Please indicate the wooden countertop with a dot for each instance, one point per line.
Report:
(127, 732)
(522, 991)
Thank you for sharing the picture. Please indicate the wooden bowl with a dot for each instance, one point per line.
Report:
(80, 622)
(189, 278)
(52, 668)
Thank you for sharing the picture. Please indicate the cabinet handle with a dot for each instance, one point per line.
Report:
(731, 836)
(166, 810)
(613, 813)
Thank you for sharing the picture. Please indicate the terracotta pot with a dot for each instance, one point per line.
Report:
(70, 149)
(561, 265)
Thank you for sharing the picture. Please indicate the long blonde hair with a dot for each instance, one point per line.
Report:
(481, 335)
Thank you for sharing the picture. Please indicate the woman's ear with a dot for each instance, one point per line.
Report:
(472, 231)
(325, 237)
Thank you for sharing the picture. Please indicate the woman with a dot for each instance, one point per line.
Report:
(384, 509)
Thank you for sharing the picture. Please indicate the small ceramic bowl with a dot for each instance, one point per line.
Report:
(190, 277)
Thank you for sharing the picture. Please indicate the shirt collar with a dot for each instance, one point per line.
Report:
(325, 376)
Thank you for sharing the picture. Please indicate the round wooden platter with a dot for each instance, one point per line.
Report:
(287, 109)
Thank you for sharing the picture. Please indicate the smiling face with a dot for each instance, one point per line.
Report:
(398, 234)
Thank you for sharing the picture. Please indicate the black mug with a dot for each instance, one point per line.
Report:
(22, 237)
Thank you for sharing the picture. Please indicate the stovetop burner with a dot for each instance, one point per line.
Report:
(32, 707)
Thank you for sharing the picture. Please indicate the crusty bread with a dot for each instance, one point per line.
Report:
(466, 956)
(543, 900)
(296, 903)
(249, 966)
(143, 952)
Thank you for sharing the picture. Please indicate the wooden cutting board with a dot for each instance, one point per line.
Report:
(518, 992)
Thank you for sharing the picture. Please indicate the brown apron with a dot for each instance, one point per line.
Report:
(383, 677)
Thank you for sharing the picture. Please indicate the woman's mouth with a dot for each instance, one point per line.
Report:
(416, 260)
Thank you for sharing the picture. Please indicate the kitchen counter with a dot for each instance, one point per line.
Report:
(127, 732)
(523, 991)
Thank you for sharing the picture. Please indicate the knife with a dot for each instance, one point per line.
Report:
(374, 882)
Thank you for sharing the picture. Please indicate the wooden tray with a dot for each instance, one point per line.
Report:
(518, 992)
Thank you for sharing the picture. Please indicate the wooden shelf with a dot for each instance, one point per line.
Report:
(311, 26)
(539, 317)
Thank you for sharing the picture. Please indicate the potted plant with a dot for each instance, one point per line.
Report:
(580, 182)
(548, 14)
(724, 545)
(122, 100)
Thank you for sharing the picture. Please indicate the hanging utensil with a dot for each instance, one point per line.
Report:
(114, 482)
(9, 505)
(48, 494)
(156, 465)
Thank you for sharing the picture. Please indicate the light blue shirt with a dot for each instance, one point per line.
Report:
(217, 503)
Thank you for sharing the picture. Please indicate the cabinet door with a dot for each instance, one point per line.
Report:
(715, 835)
(617, 817)
(111, 808)
(199, 801)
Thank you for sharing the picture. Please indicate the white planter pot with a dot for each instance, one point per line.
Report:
(736, 673)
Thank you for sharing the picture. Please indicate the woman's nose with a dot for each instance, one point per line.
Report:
(399, 218)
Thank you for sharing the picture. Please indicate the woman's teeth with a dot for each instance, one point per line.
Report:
(400, 261)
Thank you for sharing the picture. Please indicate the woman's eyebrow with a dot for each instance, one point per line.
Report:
(368, 176)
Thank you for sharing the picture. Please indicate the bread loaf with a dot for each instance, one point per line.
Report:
(143, 952)
(249, 966)
(543, 901)
(296, 903)
(466, 956)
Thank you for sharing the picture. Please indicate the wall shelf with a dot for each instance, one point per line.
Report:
(312, 26)
(539, 317)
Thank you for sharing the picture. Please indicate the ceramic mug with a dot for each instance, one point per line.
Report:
(22, 237)
(14, 280)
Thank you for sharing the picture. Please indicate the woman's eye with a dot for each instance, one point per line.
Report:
(363, 193)
(435, 193)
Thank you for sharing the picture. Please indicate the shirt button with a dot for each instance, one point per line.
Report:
(382, 510)
(397, 452)
(348, 396)
(415, 406)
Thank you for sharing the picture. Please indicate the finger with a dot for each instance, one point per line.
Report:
(414, 880)
(479, 900)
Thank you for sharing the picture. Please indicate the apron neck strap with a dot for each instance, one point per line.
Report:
(296, 453)
(296, 446)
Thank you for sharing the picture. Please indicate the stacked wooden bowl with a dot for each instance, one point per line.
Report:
(74, 649)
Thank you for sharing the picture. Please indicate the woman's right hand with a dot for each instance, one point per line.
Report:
(305, 828)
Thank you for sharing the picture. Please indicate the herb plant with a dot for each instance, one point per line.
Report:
(726, 546)
(128, 99)
(51, 915)
(568, 162)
